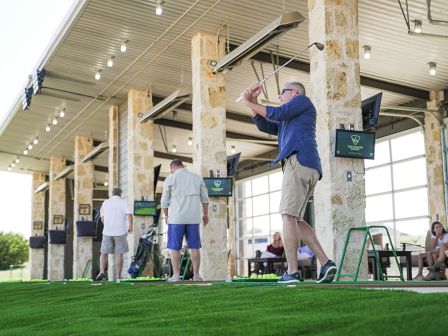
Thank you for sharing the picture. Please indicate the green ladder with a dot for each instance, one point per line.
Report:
(367, 234)
(185, 256)
(88, 267)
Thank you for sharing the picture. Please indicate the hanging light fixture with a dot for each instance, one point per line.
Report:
(25, 152)
(36, 140)
(9, 168)
(432, 68)
(110, 62)
(98, 75)
(159, 7)
(13, 164)
(367, 52)
(124, 46)
(55, 121)
(62, 113)
(48, 128)
(30, 147)
(233, 149)
(17, 160)
(174, 149)
(418, 26)
(190, 141)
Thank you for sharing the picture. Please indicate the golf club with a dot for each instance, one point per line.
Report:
(318, 45)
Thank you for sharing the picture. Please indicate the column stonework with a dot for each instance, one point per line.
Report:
(336, 93)
(113, 170)
(56, 220)
(140, 165)
(113, 149)
(434, 160)
(84, 177)
(209, 147)
(37, 256)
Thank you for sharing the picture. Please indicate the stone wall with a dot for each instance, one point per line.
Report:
(37, 256)
(209, 147)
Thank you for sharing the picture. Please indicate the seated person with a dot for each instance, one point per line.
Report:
(274, 250)
(437, 271)
(304, 252)
(438, 239)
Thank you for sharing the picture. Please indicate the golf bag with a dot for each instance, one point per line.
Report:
(142, 255)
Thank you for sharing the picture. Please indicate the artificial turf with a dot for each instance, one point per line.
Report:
(126, 309)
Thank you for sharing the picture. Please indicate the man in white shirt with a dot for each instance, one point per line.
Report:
(183, 194)
(113, 214)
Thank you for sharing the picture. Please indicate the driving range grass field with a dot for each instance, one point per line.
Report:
(221, 309)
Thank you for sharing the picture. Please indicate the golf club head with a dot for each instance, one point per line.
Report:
(318, 45)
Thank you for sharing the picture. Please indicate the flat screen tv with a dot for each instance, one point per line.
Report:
(232, 164)
(371, 111)
(145, 208)
(355, 144)
(218, 186)
(156, 176)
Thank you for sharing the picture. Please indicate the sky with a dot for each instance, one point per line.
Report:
(26, 29)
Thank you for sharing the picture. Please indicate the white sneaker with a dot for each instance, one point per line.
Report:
(174, 279)
(418, 278)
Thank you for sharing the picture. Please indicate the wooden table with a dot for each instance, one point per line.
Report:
(389, 254)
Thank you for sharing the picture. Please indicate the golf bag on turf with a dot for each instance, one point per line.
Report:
(142, 255)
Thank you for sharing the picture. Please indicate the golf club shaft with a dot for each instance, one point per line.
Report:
(240, 98)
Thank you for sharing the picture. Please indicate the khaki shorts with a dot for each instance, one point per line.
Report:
(114, 244)
(297, 187)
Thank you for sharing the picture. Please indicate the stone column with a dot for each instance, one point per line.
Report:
(209, 151)
(56, 220)
(37, 256)
(113, 170)
(83, 175)
(335, 92)
(434, 161)
(140, 166)
(113, 148)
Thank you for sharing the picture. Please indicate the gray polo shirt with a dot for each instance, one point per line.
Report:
(184, 193)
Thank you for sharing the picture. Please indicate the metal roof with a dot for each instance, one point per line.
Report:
(158, 56)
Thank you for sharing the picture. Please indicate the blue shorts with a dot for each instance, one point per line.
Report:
(176, 233)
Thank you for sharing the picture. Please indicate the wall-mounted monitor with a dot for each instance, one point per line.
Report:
(371, 111)
(219, 186)
(156, 176)
(232, 164)
(145, 208)
(355, 144)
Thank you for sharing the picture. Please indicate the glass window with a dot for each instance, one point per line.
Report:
(275, 181)
(413, 231)
(411, 203)
(261, 225)
(407, 146)
(246, 248)
(245, 227)
(379, 208)
(276, 223)
(260, 185)
(274, 201)
(378, 180)
(409, 173)
(244, 189)
(382, 155)
(261, 205)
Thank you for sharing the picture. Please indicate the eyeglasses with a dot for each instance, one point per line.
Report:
(284, 90)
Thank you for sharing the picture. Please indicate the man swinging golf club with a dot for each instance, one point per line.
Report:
(295, 124)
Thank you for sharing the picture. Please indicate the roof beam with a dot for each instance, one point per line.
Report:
(189, 127)
(366, 81)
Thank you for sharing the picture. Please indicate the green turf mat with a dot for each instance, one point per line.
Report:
(231, 309)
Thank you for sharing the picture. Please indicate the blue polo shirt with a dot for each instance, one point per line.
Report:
(295, 125)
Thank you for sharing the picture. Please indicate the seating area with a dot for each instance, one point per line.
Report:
(307, 267)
